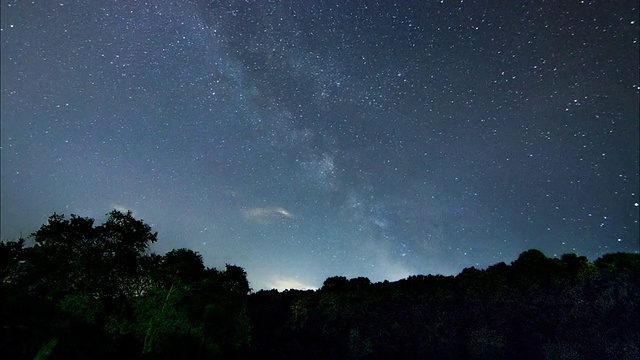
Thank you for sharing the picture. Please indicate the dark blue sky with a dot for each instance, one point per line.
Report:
(302, 140)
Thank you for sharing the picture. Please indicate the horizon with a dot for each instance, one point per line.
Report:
(295, 285)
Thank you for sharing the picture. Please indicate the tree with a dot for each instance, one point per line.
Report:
(618, 261)
(70, 291)
(86, 291)
(193, 311)
(235, 279)
(335, 283)
(10, 260)
(104, 260)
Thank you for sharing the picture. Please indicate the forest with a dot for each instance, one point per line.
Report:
(87, 291)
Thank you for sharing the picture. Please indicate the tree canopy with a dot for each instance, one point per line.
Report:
(87, 291)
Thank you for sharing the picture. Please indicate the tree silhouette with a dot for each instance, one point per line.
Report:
(85, 291)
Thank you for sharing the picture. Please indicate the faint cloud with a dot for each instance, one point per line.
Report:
(266, 213)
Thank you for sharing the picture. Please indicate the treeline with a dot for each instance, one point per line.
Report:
(95, 292)
(535, 308)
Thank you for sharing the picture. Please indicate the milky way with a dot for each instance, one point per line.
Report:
(302, 140)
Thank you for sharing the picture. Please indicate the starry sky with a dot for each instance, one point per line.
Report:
(307, 139)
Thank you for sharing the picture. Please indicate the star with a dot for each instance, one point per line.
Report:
(314, 136)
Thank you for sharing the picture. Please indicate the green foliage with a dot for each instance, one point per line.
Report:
(85, 291)
(619, 261)
(159, 316)
(10, 259)
(46, 349)
(202, 308)
(359, 346)
(81, 308)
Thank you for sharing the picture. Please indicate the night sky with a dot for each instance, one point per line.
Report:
(307, 139)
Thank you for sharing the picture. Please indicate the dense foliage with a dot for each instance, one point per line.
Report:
(92, 292)
(536, 308)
